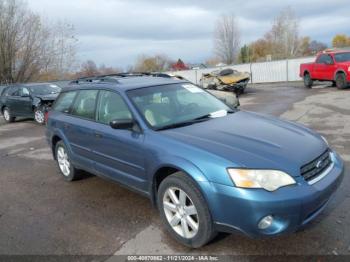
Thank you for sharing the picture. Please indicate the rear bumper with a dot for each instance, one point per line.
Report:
(292, 207)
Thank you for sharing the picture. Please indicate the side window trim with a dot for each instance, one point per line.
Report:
(73, 103)
(96, 104)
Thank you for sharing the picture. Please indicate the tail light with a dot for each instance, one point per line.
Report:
(46, 116)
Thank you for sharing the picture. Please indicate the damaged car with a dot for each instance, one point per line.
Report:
(28, 100)
(227, 79)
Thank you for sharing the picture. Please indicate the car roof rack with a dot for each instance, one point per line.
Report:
(113, 78)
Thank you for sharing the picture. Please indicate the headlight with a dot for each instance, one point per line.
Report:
(349, 69)
(269, 180)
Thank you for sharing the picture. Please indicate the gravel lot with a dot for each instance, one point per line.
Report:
(40, 214)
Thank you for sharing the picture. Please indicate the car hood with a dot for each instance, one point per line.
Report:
(49, 97)
(255, 141)
(234, 78)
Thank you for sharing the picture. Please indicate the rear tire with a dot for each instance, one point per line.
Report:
(180, 202)
(340, 80)
(67, 170)
(8, 116)
(308, 82)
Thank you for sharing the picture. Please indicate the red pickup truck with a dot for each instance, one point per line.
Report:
(330, 65)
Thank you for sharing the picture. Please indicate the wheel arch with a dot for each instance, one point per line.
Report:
(339, 71)
(307, 72)
(169, 168)
(2, 108)
(57, 136)
(55, 139)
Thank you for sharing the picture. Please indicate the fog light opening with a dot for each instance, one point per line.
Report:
(266, 222)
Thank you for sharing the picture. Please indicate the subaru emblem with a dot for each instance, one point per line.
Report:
(319, 164)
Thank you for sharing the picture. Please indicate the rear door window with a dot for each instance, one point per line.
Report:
(85, 103)
(64, 101)
(14, 91)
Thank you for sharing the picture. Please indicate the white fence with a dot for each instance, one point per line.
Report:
(265, 72)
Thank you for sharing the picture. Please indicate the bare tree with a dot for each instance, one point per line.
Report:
(108, 70)
(227, 39)
(89, 69)
(157, 63)
(29, 47)
(284, 35)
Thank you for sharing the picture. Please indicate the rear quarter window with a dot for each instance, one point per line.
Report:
(64, 101)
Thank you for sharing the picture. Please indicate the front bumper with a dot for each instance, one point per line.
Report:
(239, 85)
(292, 207)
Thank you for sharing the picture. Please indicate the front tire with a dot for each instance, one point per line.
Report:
(8, 116)
(184, 211)
(340, 80)
(39, 116)
(308, 80)
(67, 170)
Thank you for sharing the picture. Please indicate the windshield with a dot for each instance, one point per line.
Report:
(342, 57)
(45, 89)
(172, 105)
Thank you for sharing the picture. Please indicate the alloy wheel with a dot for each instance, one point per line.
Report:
(180, 212)
(39, 116)
(63, 161)
(6, 115)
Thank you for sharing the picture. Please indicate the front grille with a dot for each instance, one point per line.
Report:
(316, 167)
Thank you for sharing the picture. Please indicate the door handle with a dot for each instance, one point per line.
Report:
(66, 126)
(98, 135)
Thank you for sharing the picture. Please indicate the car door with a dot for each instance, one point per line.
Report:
(324, 67)
(12, 101)
(319, 67)
(78, 128)
(329, 68)
(24, 102)
(119, 154)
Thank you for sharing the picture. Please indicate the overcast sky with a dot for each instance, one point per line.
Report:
(115, 32)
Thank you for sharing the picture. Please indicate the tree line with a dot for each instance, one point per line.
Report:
(282, 41)
(35, 49)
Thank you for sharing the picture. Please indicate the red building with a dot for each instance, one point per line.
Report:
(179, 65)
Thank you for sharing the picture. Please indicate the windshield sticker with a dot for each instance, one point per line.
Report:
(193, 88)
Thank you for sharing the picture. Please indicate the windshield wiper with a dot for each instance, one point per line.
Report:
(181, 124)
(192, 121)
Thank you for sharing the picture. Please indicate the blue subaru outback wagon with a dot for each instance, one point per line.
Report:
(206, 166)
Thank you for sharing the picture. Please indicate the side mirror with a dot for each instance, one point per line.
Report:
(122, 124)
(329, 63)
